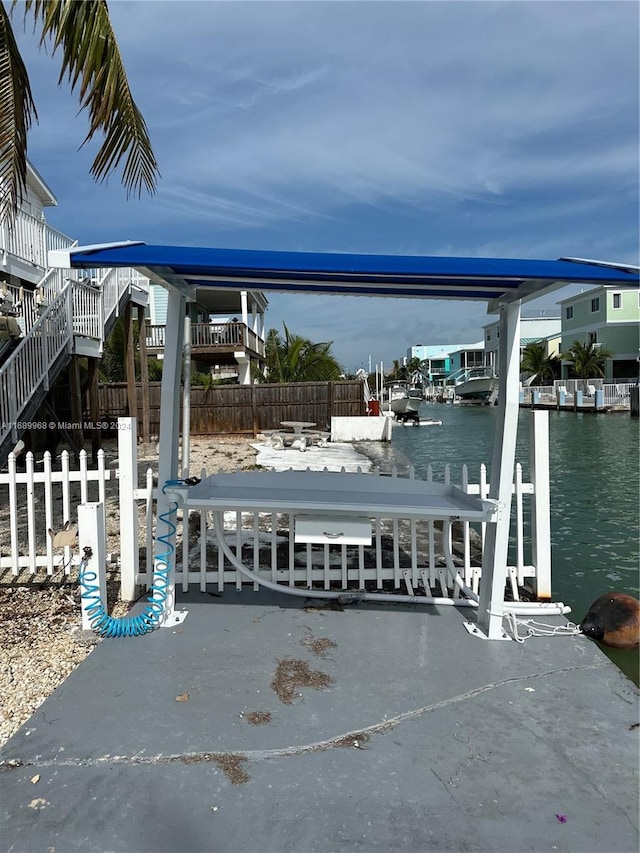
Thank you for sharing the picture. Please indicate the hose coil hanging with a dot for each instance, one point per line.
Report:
(132, 626)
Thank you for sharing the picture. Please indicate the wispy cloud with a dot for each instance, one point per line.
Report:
(440, 127)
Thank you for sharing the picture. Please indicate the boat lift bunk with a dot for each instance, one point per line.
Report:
(502, 283)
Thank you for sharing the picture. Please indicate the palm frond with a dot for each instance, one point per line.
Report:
(17, 111)
(91, 62)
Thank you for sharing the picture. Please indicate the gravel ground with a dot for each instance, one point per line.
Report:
(41, 640)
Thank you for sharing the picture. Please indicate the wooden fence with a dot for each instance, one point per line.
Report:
(246, 409)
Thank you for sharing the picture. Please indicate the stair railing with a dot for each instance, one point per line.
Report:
(29, 366)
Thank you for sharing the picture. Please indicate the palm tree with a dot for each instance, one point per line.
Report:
(91, 62)
(293, 358)
(398, 371)
(537, 363)
(587, 360)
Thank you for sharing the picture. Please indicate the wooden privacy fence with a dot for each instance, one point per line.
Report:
(247, 409)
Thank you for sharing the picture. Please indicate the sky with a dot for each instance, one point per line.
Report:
(468, 128)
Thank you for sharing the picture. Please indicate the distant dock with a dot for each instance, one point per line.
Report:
(607, 398)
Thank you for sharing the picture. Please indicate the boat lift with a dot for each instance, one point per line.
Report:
(504, 284)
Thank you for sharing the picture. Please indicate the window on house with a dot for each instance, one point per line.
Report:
(569, 313)
(592, 338)
(475, 359)
(595, 304)
(617, 300)
(488, 336)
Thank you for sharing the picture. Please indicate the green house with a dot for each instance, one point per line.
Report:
(607, 316)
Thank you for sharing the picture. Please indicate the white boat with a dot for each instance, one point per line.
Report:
(474, 384)
(400, 400)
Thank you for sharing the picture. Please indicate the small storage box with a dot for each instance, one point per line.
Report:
(332, 530)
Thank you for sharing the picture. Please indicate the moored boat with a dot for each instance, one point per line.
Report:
(397, 399)
(479, 383)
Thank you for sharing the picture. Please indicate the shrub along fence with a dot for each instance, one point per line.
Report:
(246, 409)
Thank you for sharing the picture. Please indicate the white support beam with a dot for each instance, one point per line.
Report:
(541, 505)
(169, 424)
(496, 545)
(129, 524)
(186, 399)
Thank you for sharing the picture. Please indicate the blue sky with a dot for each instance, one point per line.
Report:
(434, 128)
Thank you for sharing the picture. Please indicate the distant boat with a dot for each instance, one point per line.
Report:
(477, 383)
(400, 398)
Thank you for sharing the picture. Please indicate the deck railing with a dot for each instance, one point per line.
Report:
(564, 393)
(213, 336)
(26, 239)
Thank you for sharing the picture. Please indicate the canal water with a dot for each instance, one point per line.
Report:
(595, 490)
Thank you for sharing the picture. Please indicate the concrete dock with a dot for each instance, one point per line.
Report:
(268, 723)
(401, 732)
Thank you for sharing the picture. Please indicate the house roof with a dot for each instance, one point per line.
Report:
(493, 279)
(40, 187)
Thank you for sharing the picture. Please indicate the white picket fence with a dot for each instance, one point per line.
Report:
(406, 554)
(38, 502)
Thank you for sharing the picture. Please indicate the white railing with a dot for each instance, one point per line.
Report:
(28, 367)
(87, 311)
(60, 306)
(25, 239)
(617, 395)
(404, 554)
(57, 240)
(613, 394)
(35, 504)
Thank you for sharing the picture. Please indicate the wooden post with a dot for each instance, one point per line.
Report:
(144, 375)
(130, 363)
(94, 407)
(254, 410)
(329, 403)
(75, 392)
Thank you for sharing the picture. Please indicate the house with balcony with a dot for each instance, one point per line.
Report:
(440, 361)
(608, 317)
(51, 319)
(226, 330)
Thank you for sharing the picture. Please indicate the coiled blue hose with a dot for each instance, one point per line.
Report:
(132, 626)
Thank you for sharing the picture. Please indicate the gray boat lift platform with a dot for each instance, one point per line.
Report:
(422, 738)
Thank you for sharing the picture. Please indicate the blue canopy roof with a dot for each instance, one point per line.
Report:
(349, 274)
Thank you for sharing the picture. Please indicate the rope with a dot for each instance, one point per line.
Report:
(538, 629)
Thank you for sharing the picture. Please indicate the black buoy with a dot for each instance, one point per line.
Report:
(614, 620)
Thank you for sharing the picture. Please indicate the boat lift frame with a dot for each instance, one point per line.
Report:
(504, 283)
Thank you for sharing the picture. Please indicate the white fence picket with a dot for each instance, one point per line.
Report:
(33, 503)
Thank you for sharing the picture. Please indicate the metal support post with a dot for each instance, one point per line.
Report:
(496, 545)
(541, 504)
(128, 482)
(169, 418)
